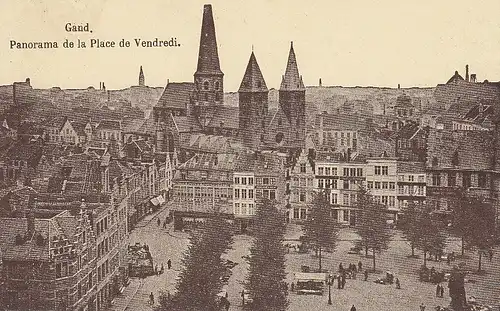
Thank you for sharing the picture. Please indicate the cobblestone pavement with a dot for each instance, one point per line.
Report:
(166, 244)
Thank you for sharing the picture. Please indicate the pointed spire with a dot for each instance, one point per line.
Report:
(253, 81)
(292, 81)
(141, 77)
(208, 57)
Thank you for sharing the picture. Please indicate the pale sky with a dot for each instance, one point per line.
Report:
(349, 43)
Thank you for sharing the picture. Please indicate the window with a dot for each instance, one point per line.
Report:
(250, 180)
(385, 200)
(452, 179)
(359, 172)
(302, 197)
(346, 184)
(377, 185)
(250, 193)
(370, 184)
(436, 179)
(346, 215)
(327, 171)
(411, 178)
(205, 85)
(303, 213)
(385, 170)
(481, 180)
(243, 180)
(265, 181)
(243, 193)
(352, 171)
(466, 180)
(345, 200)
(392, 185)
(320, 171)
(272, 195)
(334, 183)
(377, 170)
(236, 180)
(296, 213)
(236, 193)
(346, 171)
(385, 185)
(392, 201)
(243, 209)
(302, 167)
(421, 178)
(320, 183)
(334, 198)
(217, 85)
(420, 190)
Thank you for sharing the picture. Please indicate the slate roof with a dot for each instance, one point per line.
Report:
(225, 117)
(208, 57)
(109, 125)
(408, 130)
(206, 143)
(410, 167)
(474, 149)
(176, 95)
(186, 124)
(253, 81)
(210, 161)
(339, 122)
(292, 80)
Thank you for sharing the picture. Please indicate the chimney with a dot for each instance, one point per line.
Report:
(467, 73)
(320, 84)
(109, 93)
(399, 86)
(473, 77)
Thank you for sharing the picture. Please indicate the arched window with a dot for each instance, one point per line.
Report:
(205, 85)
(217, 85)
(279, 137)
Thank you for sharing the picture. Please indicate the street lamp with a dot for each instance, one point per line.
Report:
(330, 282)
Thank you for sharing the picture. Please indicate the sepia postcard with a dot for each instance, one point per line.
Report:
(264, 155)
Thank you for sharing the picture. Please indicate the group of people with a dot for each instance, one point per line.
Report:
(440, 291)
(165, 222)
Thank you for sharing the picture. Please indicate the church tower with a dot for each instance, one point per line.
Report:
(208, 78)
(141, 78)
(292, 100)
(253, 103)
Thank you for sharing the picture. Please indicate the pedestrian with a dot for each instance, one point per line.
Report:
(343, 281)
(151, 299)
(422, 307)
(438, 290)
(341, 268)
(441, 292)
(165, 224)
(398, 285)
(158, 221)
(156, 269)
(354, 267)
(339, 282)
(169, 264)
(353, 308)
(162, 269)
(226, 295)
(360, 265)
(292, 286)
(490, 254)
(243, 297)
(366, 275)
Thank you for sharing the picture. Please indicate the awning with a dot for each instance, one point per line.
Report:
(155, 201)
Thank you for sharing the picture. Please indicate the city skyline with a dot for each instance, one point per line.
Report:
(357, 44)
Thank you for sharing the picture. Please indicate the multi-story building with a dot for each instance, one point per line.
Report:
(381, 179)
(411, 183)
(244, 197)
(300, 187)
(341, 176)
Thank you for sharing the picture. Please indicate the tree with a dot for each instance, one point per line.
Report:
(408, 222)
(431, 238)
(266, 275)
(482, 225)
(461, 225)
(372, 228)
(321, 228)
(201, 279)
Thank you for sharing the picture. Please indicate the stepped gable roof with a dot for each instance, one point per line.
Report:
(176, 95)
(253, 81)
(225, 117)
(208, 57)
(292, 80)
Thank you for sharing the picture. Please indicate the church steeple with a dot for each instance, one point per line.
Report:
(141, 77)
(253, 81)
(208, 78)
(208, 57)
(292, 81)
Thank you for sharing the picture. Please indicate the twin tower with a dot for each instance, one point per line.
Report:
(258, 127)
